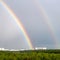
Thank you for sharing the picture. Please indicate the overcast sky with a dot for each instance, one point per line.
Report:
(30, 15)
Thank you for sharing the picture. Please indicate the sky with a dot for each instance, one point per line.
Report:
(32, 17)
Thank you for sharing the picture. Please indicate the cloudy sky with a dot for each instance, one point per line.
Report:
(31, 14)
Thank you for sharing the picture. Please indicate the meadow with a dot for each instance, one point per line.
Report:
(30, 55)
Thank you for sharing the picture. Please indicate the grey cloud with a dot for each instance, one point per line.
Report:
(33, 21)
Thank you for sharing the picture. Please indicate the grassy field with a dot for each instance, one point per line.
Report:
(30, 55)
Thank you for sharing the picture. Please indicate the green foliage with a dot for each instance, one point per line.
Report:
(30, 55)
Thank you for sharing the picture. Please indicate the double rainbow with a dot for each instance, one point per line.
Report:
(45, 16)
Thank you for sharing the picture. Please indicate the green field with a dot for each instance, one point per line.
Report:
(30, 55)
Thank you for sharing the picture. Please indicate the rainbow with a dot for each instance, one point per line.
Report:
(47, 21)
(18, 22)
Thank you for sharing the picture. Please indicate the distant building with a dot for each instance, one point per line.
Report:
(3, 49)
(39, 48)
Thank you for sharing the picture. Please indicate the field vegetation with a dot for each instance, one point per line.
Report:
(30, 55)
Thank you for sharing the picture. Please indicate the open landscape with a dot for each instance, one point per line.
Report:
(30, 55)
(29, 29)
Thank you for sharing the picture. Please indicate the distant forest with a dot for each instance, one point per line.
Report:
(30, 55)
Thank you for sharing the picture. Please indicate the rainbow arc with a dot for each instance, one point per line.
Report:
(47, 22)
(19, 23)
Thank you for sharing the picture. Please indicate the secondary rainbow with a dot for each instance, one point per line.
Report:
(47, 21)
(18, 22)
